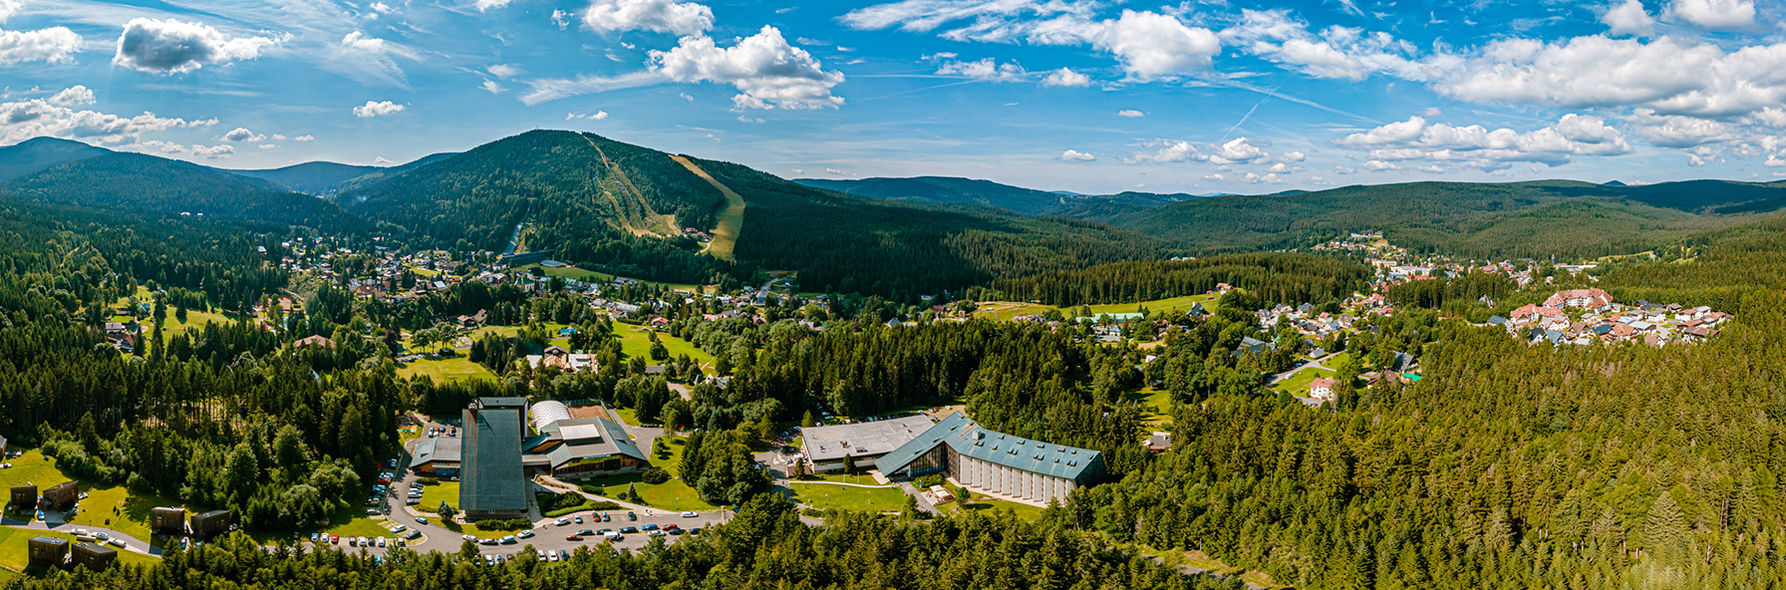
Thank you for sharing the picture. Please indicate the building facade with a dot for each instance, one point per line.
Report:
(987, 461)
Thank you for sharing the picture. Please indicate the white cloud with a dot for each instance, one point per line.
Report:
(663, 16)
(1076, 156)
(766, 70)
(562, 18)
(1336, 52)
(1066, 77)
(51, 45)
(1379, 166)
(1670, 75)
(1714, 15)
(1130, 113)
(985, 69)
(492, 87)
(304, 138)
(1151, 45)
(377, 109)
(1628, 17)
(382, 8)
(595, 116)
(1478, 146)
(242, 134)
(9, 8)
(1676, 131)
(504, 71)
(173, 46)
(73, 96)
(25, 119)
(195, 150)
(486, 5)
(1236, 151)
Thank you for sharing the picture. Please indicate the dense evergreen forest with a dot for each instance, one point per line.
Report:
(1272, 277)
(1537, 219)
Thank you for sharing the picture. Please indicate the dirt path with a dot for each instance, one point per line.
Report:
(731, 220)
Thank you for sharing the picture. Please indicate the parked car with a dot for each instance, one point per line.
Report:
(631, 516)
(694, 531)
(471, 538)
(334, 539)
(606, 518)
(562, 522)
(630, 529)
(573, 537)
(509, 540)
(577, 519)
(486, 541)
(673, 531)
(421, 520)
(527, 534)
(691, 515)
(649, 527)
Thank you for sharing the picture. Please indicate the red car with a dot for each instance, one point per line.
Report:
(574, 538)
(670, 527)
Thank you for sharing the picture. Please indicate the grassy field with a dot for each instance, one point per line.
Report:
(825, 496)
(113, 507)
(635, 343)
(1005, 310)
(433, 495)
(444, 370)
(731, 219)
(1156, 405)
(670, 495)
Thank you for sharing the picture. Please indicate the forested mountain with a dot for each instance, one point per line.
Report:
(1525, 219)
(42, 152)
(138, 183)
(969, 191)
(1277, 277)
(313, 178)
(624, 209)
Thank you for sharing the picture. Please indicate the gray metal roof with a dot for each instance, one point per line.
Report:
(831, 443)
(445, 449)
(612, 441)
(492, 476)
(967, 437)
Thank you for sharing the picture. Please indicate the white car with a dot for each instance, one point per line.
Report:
(116, 542)
(691, 515)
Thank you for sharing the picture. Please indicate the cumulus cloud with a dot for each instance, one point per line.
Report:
(377, 109)
(173, 46)
(1628, 17)
(242, 134)
(663, 16)
(1148, 45)
(1076, 156)
(1335, 52)
(304, 138)
(595, 116)
(1151, 45)
(9, 8)
(1130, 113)
(985, 69)
(1066, 77)
(1479, 146)
(51, 45)
(487, 5)
(766, 70)
(1670, 75)
(1677, 131)
(73, 96)
(1235, 151)
(1713, 15)
(25, 119)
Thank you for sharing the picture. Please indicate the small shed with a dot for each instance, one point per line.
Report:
(94, 556)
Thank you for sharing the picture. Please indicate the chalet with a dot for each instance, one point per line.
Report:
(1158, 442)
(317, 341)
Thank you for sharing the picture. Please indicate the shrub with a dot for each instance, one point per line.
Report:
(922, 482)
(428, 481)
(655, 475)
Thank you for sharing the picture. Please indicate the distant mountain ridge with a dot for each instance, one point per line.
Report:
(973, 191)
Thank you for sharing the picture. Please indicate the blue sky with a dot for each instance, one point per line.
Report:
(1212, 96)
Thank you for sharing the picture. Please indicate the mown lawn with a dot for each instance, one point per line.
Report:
(1157, 306)
(825, 496)
(670, 495)
(113, 507)
(1005, 310)
(982, 503)
(635, 342)
(446, 370)
(433, 495)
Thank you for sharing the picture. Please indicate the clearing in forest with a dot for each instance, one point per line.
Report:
(731, 220)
